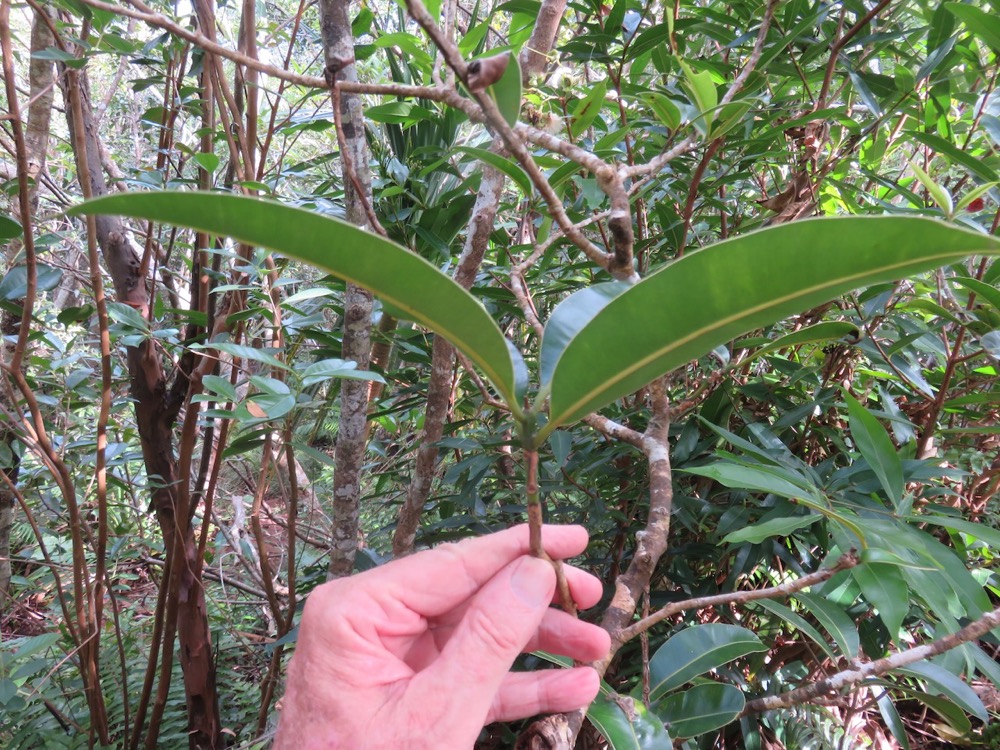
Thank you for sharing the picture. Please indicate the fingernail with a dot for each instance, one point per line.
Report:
(532, 581)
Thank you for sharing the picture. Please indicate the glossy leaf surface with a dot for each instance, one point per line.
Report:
(697, 650)
(407, 282)
(877, 449)
(711, 296)
(633, 729)
(701, 709)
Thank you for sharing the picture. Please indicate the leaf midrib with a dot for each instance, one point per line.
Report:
(626, 372)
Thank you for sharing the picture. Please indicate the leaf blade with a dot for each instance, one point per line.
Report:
(403, 279)
(713, 295)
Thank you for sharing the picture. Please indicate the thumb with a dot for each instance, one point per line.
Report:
(497, 625)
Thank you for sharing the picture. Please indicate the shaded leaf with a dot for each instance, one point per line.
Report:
(940, 680)
(697, 650)
(636, 729)
(9, 228)
(885, 589)
(875, 445)
(758, 532)
(507, 166)
(796, 621)
(701, 709)
(570, 317)
(15, 282)
(836, 621)
(831, 330)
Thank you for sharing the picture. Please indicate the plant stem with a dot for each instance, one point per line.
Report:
(535, 531)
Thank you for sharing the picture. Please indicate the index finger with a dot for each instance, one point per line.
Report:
(436, 581)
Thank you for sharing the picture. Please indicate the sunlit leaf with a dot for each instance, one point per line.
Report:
(507, 91)
(708, 297)
(776, 527)
(406, 281)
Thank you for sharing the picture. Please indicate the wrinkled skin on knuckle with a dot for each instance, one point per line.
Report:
(493, 632)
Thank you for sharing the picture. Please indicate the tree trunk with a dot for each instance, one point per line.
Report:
(36, 141)
(442, 365)
(352, 431)
(156, 407)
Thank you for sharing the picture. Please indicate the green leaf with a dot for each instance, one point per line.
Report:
(703, 91)
(624, 722)
(827, 331)
(404, 280)
(758, 532)
(15, 282)
(634, 729)
(207, 161)
(708, 297)
(220, 386)
(665, 110)
(981, 531)
(570, 317)
(507, 166)
(507, 91)
(274, 405)
(58, 55)
(128, 316)
(33, 644)
(875, 445)
(946, 709)
(836, 621)
(245, 352)
(954, 154)
(758, 478)
(703, 708)
(986, 292)
(940, 680)
(891, 718)
(983, 25)
(798, 622)
(586, 110)
(885, 589)
(976, 192)
(940, 194)
(9, 228)
(697, 650)
(326, 369)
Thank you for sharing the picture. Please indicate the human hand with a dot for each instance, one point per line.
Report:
(417, 653)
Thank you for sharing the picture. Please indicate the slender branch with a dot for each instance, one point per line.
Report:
(23, 189)
(839, 44)
(345, 156)
(846, 561)
(853, 676)
(517, 148)
(142, 12)
(614, 430)
(758, 50)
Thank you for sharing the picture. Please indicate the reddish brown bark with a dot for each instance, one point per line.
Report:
(36, 139)
(157, 405)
